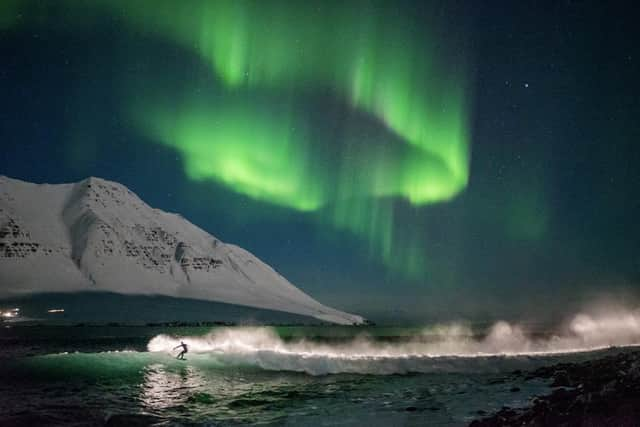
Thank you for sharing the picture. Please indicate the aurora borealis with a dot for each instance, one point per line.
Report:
(410, 145)
(371, 61)
(247, 129)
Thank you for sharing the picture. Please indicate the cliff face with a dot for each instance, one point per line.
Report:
(98, 235)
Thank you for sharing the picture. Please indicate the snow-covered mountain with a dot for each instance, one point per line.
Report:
(98, 235)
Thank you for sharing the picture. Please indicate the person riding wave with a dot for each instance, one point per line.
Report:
(184, 350)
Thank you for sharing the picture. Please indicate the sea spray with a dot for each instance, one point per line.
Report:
(440, 348)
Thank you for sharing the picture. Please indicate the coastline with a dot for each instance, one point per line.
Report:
(604, 391)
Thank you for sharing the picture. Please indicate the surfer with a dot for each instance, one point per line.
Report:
(184, 350)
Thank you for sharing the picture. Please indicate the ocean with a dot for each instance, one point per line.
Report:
(296, 375)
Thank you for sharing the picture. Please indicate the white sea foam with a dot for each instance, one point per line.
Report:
(439, 348)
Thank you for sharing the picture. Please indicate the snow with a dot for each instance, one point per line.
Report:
(98, 235)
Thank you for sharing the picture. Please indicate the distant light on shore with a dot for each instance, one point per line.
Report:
(12, 312)
(55, 310)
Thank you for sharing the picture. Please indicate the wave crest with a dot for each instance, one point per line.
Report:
(436, 348)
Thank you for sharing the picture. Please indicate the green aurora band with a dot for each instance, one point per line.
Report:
(369, 54)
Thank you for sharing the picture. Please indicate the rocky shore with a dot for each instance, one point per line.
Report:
(601, 392)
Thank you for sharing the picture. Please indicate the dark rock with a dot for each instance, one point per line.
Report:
(561, 379)
(599, 392)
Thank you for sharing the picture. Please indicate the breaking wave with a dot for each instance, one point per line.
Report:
(439, 348)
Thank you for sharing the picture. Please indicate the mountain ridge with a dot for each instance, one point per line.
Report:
(97, 234)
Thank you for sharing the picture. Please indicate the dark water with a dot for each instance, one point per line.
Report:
(271, 376)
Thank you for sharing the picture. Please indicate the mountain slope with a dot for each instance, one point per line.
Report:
(98, 235)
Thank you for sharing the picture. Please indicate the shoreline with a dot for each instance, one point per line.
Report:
(603, 391)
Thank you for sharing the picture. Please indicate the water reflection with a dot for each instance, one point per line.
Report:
(164, 388)
(193, 392)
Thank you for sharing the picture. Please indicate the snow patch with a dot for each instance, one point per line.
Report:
(97, 234)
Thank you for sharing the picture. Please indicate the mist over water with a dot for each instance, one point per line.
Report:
(258, 375)
(445, 347)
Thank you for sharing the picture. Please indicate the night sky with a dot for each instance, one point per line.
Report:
(402, 160)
